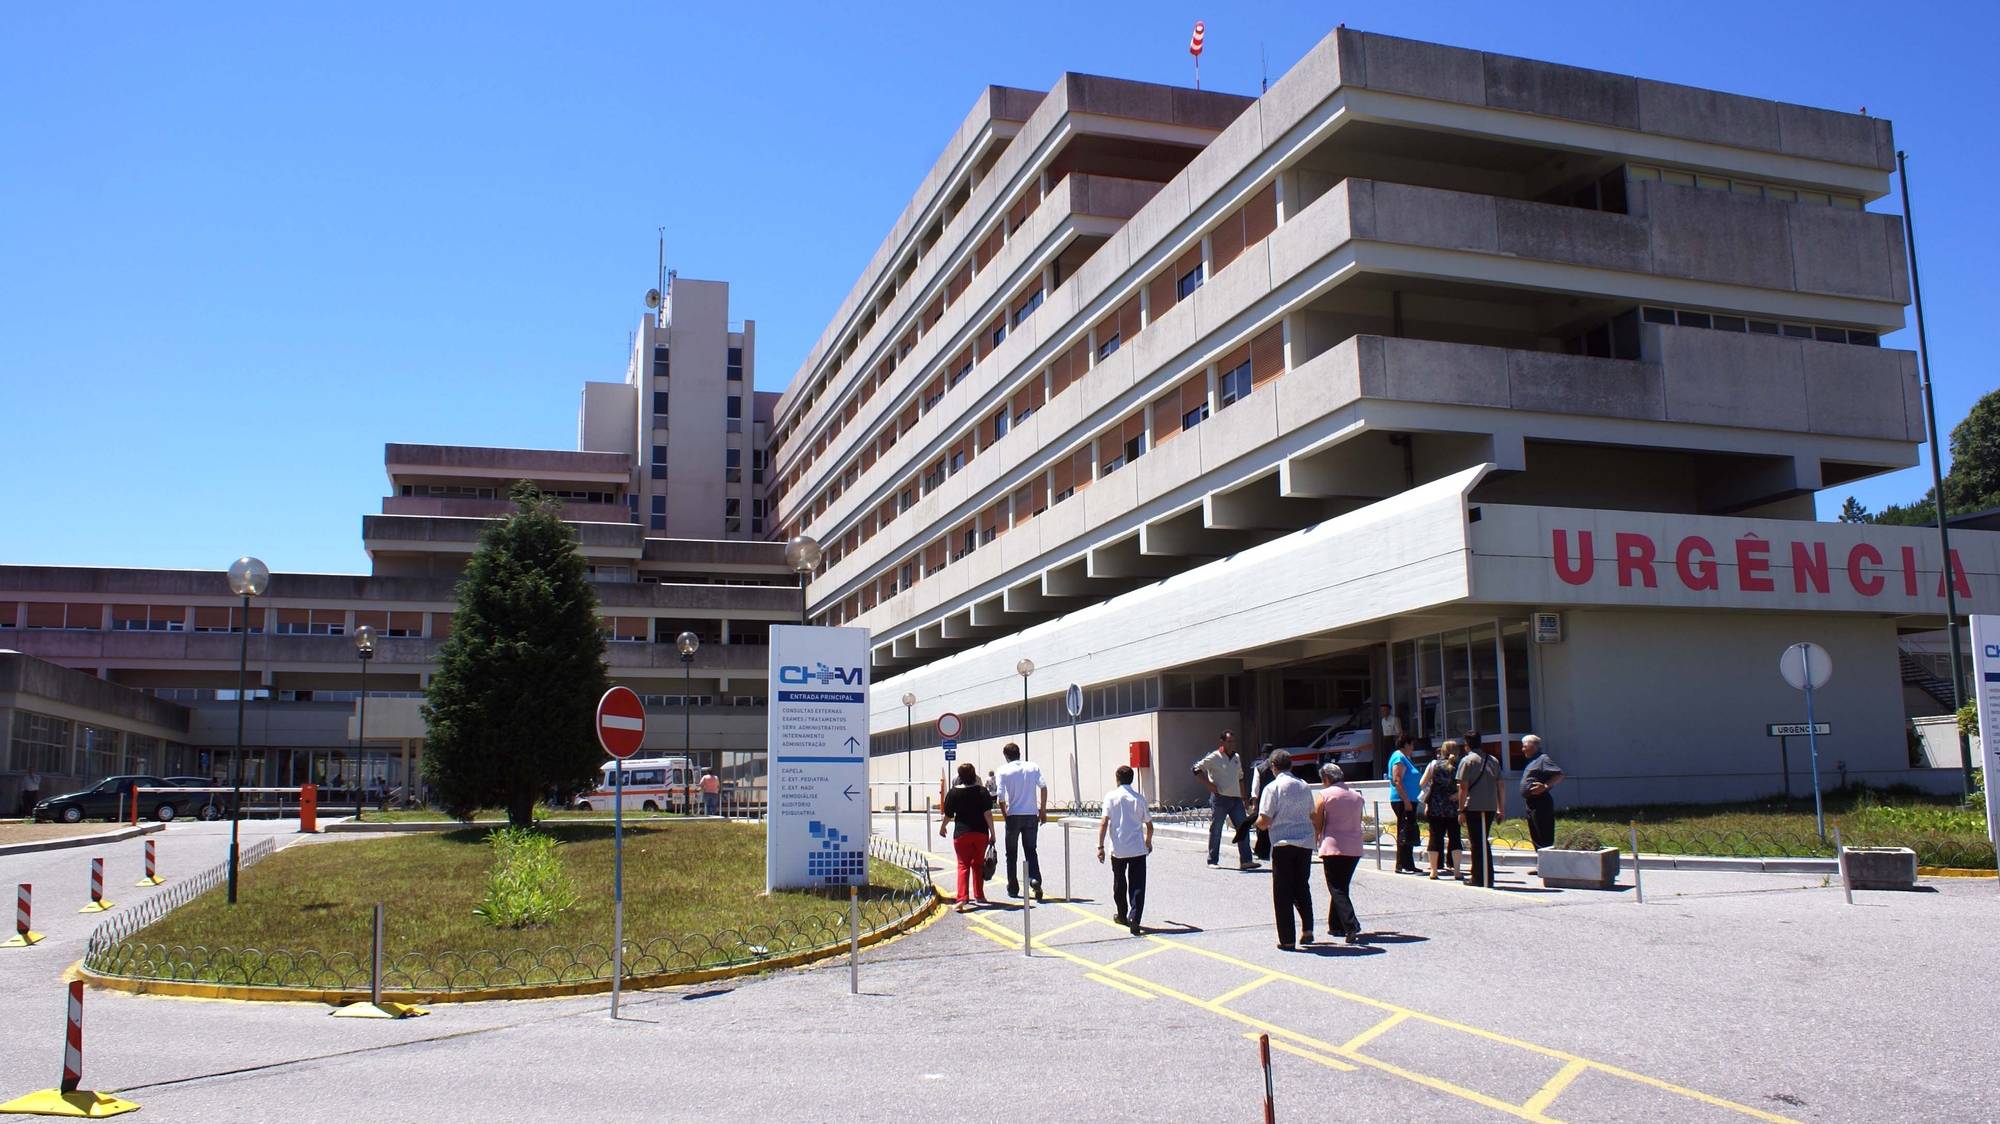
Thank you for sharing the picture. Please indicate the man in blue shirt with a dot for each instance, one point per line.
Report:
(1406, 789)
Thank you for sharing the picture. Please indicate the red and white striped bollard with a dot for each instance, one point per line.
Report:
(73, 1042)
(24, 932)
(97, 902)
(67, 1099)
(152, 876)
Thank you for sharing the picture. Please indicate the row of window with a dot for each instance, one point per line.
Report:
(1757, 189)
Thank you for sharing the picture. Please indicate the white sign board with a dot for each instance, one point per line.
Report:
(1797, 729)
(1805, 662)
(817, 831)
(1986, 696)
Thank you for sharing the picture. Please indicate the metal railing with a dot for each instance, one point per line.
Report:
(114, 930)
(118, 948)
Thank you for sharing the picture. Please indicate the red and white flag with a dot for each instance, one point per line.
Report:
(1194, 41)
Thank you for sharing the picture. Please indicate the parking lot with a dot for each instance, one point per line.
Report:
(1723, 996)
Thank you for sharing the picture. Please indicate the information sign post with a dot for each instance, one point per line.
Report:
(1807, 667)
(621, 729)
(816, 833)
(1986, 703)
(1073, 702)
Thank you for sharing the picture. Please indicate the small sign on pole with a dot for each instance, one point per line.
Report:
(1807, 667)
(950, 751)
(621, 729)
(1796, 729)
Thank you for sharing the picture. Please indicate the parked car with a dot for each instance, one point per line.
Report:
(203, 805)
(1347, 740)
(110, 798)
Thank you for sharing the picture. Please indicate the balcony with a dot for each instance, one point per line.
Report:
(457, 508)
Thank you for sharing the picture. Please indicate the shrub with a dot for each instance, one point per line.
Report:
(527, 885)
(1968, 720)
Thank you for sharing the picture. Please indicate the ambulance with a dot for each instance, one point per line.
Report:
(652, 784)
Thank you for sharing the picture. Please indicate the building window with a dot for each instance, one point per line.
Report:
(999, 333)
(659, 401)
(1189, 282)
(734, 369)
(659, 513)
(957, 462)
(732, 466)
(734, 410)
(1195, 416)
(732, 517)
(1108, 345)
(1135, 448)
(757, 467)
(660, 365)
(1232, 385)
(1000, 424)
(1021, 313)
(659, 463)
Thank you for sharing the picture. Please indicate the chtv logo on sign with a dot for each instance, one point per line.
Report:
(796, 675)
(1993, 651)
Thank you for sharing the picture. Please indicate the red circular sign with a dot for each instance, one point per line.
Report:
(621, 722)
(948, 724)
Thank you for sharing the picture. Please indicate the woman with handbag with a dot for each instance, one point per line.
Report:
(968, 816)
(1439, 797)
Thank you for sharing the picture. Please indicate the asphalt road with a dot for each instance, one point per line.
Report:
(1723, 997)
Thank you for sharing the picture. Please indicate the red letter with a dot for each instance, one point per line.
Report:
(1910, 571)
(1753, 565)
(1864, 583)
(1808, 564)
(1958, 581)
(1635, 556)
(1576, 573)
(1695, 559)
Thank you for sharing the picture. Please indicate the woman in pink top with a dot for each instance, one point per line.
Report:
(1336, 820)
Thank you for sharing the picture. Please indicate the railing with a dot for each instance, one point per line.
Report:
(113, 932)
(113, 951)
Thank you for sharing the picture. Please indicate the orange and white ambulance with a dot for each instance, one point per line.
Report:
(652, 784)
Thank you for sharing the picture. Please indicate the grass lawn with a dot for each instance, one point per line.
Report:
(682, 881)
(499, 815)
(1941, 830)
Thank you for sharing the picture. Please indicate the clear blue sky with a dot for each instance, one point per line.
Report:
(242, 246)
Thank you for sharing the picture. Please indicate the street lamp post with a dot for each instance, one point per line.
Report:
(687, 644)
(802, 555)
(1024, 669)
(909, 748)
(364, 647)
(248, 577)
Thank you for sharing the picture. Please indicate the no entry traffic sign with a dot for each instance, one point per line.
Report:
(948, 725)
(621, 722)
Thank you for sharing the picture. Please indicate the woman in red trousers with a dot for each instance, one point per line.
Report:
(968, 815)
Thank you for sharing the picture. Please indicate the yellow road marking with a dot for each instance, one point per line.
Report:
(1154, 950)
(1239, 992)
(1287, 1047)
(1372, 1033)
(1547, 1094)
(1061, 929)
(1128, 989)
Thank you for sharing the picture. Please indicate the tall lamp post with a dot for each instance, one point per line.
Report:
(909, 749)
(248, 578)
(1024, 669)
(687, 644)
(364, 647)
(802, 555)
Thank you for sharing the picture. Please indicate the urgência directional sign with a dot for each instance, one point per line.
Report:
(1796, 729)
(817, 831)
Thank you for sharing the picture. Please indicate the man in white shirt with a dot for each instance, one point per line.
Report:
(1128, 824)
(1024, 795)
(1285, 810)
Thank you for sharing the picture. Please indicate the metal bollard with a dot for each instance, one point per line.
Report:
(927, 821)
(1378, 835)
(1027, 915)
(896, 812)
(375, 961)
(1638, 880)
(1066, 894)
(1840, 857)
(853, 941)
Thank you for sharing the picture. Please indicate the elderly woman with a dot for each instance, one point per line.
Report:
(1541, 775)
(1336, 818)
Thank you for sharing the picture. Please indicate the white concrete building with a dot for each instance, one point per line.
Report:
(1244, 413)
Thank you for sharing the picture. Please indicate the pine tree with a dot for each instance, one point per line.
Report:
(511, 710)
(1854, 511)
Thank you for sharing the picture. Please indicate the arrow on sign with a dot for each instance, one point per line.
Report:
(849, 792)
(852, 744)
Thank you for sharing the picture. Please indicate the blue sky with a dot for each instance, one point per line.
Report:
(242, 246)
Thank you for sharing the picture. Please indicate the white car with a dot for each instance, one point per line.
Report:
(1346, 740)
(652, 784)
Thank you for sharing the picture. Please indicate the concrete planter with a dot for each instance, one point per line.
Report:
(1578, 870)
(1880, 868)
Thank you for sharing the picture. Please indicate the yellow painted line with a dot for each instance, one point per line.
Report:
(1061, 929)
(1128, 989)
(1372, 1033)
(1154, 950)
(1239, 992)
(1547, 1094)
(997, 936)
(1434, 1020)
(1287, 1047)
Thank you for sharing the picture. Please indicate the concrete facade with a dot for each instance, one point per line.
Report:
(1161, 386)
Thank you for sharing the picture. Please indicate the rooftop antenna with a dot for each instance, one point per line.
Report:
(1263, 72)
(659, 300)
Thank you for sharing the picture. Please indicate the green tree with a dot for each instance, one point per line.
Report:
(1921, 513)
(1974, 481)
(1854, 511)
(511, 709)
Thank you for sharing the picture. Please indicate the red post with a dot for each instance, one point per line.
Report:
(309, 808)
(1270, 1091)
(24, 905)
(96, 881)
(72, 1071)
(150, 876)
(133, 791)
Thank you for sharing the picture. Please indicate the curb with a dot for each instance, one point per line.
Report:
(390, 827)
(116, 836)
(183, 989)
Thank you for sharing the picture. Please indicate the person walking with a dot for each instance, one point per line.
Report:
(1541, 775)
(1222, 772)
(1440, 800)
(1127, 824)
(1389, 734)
(711, 794)
(1405, 788)
(1483, 803)
(1259, 777)
(1024, 797)
(968, 816)
(1336, 819)
(1286, 811)
(31, 792)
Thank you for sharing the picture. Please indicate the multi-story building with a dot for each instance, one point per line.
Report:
(1495, 390)
(667, 525)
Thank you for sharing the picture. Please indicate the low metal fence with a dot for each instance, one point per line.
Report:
(176, 894)
(123, 952)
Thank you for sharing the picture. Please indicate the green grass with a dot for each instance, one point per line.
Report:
(682, 880)
(499, 815)
(1942, 831)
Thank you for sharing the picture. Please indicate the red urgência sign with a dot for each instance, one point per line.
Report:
(1697, 564)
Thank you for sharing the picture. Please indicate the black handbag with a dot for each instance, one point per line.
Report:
(991, 864)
